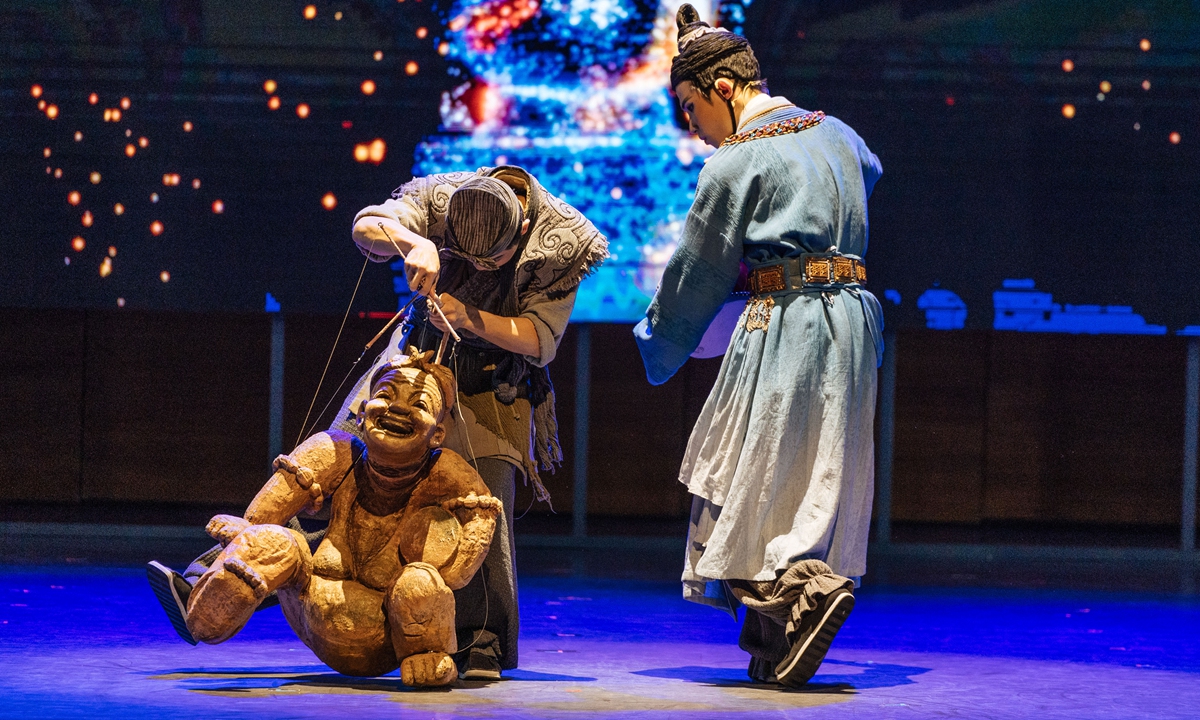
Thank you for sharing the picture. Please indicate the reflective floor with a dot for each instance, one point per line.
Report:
(84, 641)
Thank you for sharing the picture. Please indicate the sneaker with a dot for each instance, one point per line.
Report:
(172, 592)
(480, 664)
(814, 638)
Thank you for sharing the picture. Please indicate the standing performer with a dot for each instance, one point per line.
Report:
(781, 461)
(507, 258)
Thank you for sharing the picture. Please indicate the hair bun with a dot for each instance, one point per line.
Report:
(686, 16)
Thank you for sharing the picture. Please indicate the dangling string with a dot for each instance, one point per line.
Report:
(353, 295)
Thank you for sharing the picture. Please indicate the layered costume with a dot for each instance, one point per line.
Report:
(505, 423)
(781, 460)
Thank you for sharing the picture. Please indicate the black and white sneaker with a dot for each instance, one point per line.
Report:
(172, 592)
(815, 636)
(480, 664)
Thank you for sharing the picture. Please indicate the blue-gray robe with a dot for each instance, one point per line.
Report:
(781, 460)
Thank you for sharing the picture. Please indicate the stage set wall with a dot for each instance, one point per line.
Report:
(172, 409)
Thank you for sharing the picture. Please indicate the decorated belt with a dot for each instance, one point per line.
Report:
(829, 270)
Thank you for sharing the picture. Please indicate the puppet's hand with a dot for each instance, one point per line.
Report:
(479, 503)
(224, 528)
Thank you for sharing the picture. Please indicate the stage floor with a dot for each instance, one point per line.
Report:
(88, 642)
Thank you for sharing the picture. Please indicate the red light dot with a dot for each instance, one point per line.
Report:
(156, 228)
(1145, 84)
(273, 103)
(950, 100)
(218, 207)
(93, 99)
(195, 183)
(329, 201)
(1175, 138)
(368, 87)
(347, 124)
(124, 103)
(1068, 65)
(187, 126)
(302, 110)
(73, 197)
(36, 91)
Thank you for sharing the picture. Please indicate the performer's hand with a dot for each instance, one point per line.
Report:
(224, 528)
(455, 312)
(421, 267)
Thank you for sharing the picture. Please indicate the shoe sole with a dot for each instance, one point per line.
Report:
(800, 665)
(162, 583)
(481, 675)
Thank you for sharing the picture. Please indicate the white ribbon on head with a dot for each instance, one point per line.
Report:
(697, 34)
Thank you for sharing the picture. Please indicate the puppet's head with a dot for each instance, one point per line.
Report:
(403, 418)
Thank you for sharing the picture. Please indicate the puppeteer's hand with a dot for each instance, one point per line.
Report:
(455, 312)
(480, 503)
(224, 528)
(422, 266)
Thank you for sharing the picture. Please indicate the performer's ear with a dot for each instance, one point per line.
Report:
(724, 88)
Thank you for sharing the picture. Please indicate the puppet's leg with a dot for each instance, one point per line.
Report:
(421, 614)
(259, 560)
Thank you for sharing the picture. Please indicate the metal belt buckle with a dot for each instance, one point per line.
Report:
(768, 279)
(817, 270)
(843, 269)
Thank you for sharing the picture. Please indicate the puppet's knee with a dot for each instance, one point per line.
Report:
(421, 612)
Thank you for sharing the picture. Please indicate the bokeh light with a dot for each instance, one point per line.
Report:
(78, 244)
(329, 201)
(443, 49)
(118, 209)
(302, 110)
(1175, 137)
(78, 136)
(36, 91)
(45, 152)
(270, 86)
(106, 267)
(112, 251)
(1144, 45)
(422, 32)
(187, 126)
(273, 102)
(1068, 111)
(73, 197)
(310, 12)
(130, 150)
(87, 218)
(374, 151)
(1068, 65)
(143, 142)
(93, 99)
(195, 183)
(124, 103)
(153, 197)
(156, 228)
(120, 302)
(57, 172)
(51, 111)
(378, 55)
(615, 193)
(411, 67)
(950, 100)
(1145, 84)
(42, 105)
(337, 15)
(1105, 86)
(164, 276)
(95, 178)
(218, 206)
(368, 87)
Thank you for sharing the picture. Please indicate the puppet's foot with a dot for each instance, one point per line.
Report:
(248, 575)
(431, 669)
(221, 602)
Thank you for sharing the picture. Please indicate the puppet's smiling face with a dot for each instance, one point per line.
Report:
(402, 420)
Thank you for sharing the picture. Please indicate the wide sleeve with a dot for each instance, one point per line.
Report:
(700, 275)
(408, 206)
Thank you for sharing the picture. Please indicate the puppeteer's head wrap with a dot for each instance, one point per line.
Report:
(484, 218)
(707, 53)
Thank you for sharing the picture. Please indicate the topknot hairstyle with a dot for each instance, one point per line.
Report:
(707, 53)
